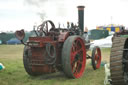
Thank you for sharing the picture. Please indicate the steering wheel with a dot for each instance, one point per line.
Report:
(44, 28)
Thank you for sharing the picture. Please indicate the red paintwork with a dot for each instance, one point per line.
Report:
(39, 52)
(63, 36)
(78, 48)
(41, 40)
(98, 58)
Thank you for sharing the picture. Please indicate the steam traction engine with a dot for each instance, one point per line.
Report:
(119, 58)
(58, 49)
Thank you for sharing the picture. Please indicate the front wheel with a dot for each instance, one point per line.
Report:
(96, 57)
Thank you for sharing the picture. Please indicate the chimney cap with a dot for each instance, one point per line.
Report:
(81, 6)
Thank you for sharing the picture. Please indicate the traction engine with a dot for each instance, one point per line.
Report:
(119, 58)
(58, 49)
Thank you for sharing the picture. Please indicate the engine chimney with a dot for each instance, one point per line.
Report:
(81, 17)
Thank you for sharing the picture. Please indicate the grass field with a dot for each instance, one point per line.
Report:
(14, 72)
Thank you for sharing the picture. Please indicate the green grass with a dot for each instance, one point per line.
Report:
(14, 72)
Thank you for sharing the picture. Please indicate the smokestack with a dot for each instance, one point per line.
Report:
(81, 17)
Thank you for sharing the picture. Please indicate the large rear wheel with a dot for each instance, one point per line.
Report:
(27, 61)
(74, 57)
(119, 61)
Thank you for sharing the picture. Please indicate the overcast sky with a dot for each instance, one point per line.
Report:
(23, 14)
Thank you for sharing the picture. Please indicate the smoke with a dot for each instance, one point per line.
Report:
(35, 2)
(38, 4)
(42, 15)
(55, 9)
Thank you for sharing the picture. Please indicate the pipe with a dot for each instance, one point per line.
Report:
(81, 17)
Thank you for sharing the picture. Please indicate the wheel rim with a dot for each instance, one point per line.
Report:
(125, 64)
(27, 55)
(78, 58)
(125, 67)
(26, 60)
(97, 58)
